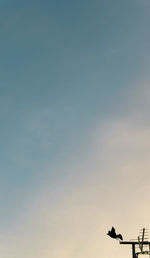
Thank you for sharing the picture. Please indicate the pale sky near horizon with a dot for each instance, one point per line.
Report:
(74, 131)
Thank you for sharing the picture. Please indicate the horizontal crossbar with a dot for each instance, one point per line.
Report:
(134, 243)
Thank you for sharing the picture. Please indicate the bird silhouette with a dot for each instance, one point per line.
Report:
(112, 233)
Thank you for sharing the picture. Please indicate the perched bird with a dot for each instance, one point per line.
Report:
(113, 234)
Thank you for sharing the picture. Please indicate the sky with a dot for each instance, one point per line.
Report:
(74, 131)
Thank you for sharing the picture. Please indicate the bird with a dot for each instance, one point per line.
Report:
(113, 234)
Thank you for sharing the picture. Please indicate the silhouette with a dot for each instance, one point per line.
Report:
(113, 234)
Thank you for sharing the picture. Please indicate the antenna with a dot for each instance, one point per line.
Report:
(141, 239)
(141, 243)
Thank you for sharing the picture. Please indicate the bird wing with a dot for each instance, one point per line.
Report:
(113, 230)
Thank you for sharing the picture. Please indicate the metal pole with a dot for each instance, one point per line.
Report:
(133, 251)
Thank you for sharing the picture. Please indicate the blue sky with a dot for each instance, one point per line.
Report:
(73, 73)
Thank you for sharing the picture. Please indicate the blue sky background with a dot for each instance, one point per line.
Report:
(66, 69)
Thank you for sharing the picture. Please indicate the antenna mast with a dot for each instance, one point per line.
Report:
(140, 243)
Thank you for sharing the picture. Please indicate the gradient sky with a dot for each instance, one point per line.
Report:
(74, 131)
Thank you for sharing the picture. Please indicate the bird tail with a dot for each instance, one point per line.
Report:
(120, 236)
